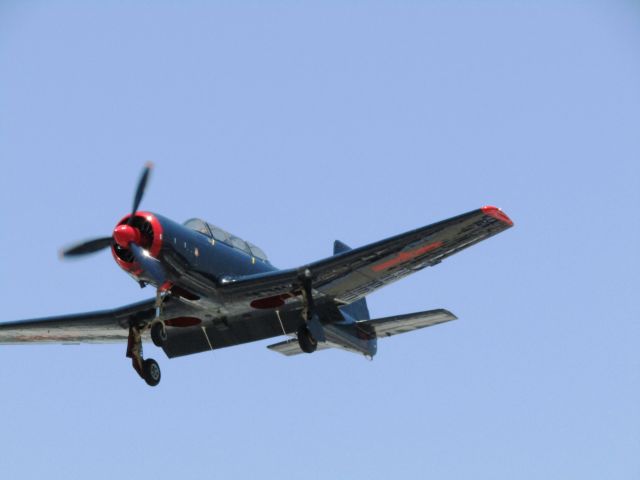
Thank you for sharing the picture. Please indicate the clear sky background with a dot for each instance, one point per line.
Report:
(292, 124)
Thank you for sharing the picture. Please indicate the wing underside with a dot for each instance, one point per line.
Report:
(106, 326)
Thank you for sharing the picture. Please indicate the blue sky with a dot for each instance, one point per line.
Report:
(295, 123)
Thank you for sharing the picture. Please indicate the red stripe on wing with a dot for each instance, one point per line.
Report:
(406, 256)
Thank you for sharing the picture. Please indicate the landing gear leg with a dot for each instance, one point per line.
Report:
(158, 328)
(148, 369)
(311, 332)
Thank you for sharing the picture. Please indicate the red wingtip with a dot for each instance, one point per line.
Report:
(149, 164)
(498, 214)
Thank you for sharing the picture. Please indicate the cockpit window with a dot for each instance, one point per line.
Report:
(198, 225)
(240, 244)
(257, 252)
(220, 235)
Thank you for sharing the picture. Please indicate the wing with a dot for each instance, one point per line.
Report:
(385, 327)
(104, 326)
(352, 274)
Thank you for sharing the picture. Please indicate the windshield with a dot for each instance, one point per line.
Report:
(221, 235)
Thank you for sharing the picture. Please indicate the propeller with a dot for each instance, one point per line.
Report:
(142, 185)
(129, 237)
(90, 246)
(97, 244)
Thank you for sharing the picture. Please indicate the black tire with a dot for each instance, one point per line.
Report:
(151, 372)
(307, 343)
(158, 334)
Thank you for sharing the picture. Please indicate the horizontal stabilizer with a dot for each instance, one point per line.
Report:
(382, 327)
(292, 347)
(385, 327)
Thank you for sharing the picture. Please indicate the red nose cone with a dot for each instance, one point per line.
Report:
(125, 234)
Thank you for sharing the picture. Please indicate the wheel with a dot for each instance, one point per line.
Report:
(158, 334)
(151, 372)
(307, 343)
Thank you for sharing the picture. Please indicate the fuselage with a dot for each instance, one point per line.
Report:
(195, 261)
(192, 259)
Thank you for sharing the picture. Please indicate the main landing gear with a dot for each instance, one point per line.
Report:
(158, 329)
(148, 369)
(311, 331)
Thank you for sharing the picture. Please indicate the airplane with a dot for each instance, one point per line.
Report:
(214, 290)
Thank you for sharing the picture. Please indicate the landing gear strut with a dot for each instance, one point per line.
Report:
(148, 369)
(311, 332)
(158, 329)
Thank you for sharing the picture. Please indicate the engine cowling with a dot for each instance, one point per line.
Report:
(145, 230)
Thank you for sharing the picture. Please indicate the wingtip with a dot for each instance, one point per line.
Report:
(447, 313)
(498, 214)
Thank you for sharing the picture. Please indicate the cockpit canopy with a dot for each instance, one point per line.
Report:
(220, 235)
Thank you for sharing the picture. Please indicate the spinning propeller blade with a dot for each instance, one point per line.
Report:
(89, 246)
(125, 235)
(142, 184)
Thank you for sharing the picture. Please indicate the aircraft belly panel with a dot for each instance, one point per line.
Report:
(184, 341)
(223, 333)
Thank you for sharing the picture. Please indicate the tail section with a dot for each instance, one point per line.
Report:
(358, 333)
(357, 310)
